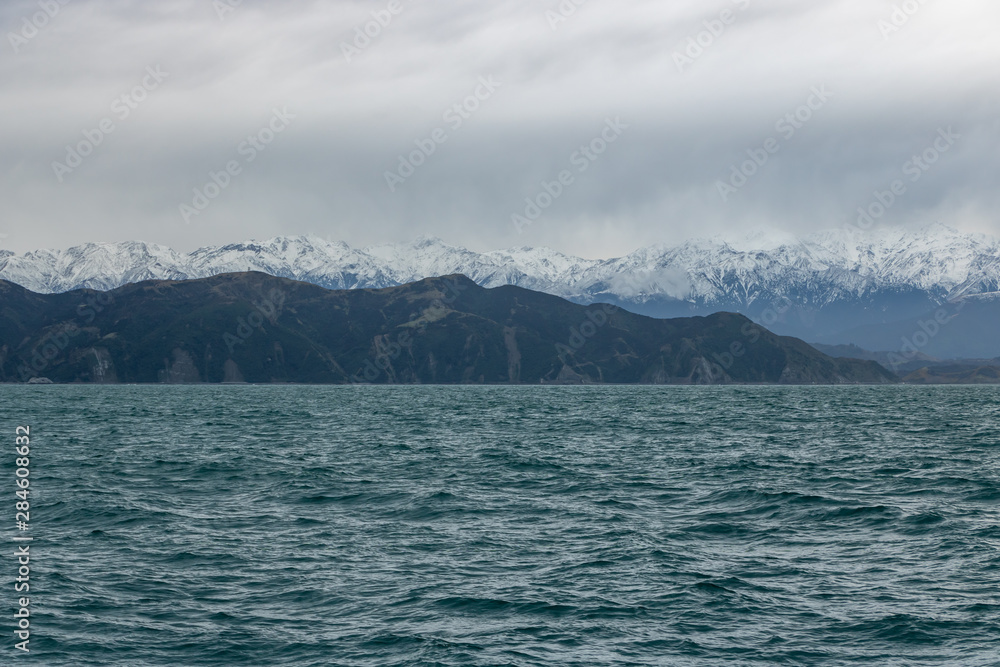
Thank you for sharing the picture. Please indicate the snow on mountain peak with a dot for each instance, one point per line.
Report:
(938, 260)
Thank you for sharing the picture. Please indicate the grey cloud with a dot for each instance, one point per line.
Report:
(326, 174)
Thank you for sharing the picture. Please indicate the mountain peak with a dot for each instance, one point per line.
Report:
(823, 266)
(835, 280)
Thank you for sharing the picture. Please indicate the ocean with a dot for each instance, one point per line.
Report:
(419, 525)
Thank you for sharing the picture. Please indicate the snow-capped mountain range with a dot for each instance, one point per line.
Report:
(819, 285)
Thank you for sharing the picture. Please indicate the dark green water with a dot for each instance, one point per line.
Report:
(508, 526)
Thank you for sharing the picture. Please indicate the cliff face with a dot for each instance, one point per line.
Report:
(252, 327)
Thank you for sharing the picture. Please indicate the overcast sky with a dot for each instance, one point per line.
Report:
(883, 88)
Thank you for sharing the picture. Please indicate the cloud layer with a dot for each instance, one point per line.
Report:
(699, 87)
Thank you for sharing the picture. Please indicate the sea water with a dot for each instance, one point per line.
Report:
(303, 525)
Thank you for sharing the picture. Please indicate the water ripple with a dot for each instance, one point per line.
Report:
(523, 526)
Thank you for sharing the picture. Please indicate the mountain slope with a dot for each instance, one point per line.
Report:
(826, 287)
(258, 328)
(964, 329)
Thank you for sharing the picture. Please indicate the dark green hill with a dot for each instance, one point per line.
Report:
(252, 327)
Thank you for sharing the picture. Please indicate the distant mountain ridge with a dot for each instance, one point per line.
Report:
(252, 327)
(821, 288)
